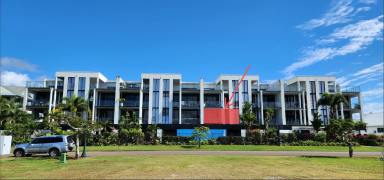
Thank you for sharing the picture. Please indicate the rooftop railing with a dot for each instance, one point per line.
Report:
(190, 86)
(133, 86)
(269, 87)
(41, 84)
(350, 89)
(107, 85)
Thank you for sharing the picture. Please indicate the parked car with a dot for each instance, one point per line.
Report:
(53, 145)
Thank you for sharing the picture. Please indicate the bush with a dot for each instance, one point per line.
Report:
(228, 140)
(320, 137)
(317, 143)
(368, 140)
(176, 140)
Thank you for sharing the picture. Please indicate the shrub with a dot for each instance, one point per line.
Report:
(320, 137)
(317, 143)
(176, 140)
(237, 140)
(368, 140)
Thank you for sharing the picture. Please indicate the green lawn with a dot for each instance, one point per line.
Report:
(232, 148)
(193, 166)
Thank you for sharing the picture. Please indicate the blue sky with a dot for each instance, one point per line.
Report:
(199, 39)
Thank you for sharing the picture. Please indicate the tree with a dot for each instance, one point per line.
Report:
(130, 129)
(340, 130)
(74, 112)
(200, 133)
(9, 111)
(268, 114)
(151, 131)
(332, 101)
(248, 117)
(316, 123)
(360, 125)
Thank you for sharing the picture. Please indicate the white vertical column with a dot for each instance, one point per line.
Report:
(94, 105)
(25, 99)
(300, 107)
(86, 91)
(304, 105)
(309, 102)
(160, 113)
(261, 107)
(117, 101)
(76, 86)
(201, 101)
(230, 90)
(50, 100)
(55, 94)
(241, 98)
(150, 101)
(250, 91)
(65, 86)
(317, 85)
(327, 91)
(282, 102)
(222, 93)
(141, 102)
(180, 98)
(170, 101)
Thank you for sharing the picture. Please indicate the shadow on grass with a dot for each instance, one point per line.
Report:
(332, 157)
(189, 146)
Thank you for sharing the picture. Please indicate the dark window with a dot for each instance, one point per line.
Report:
(380, 130)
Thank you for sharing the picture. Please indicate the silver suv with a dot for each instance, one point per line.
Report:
(53, 145)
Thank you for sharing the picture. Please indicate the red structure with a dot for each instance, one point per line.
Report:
(225, 115)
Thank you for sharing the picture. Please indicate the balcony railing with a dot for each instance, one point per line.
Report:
(268, 87)
(211, 87)
(175, 104)
(292, 105)
(190, 86)
(131, 86)
(213, 104)
(350, 89)
(271, 104)
(106, 103)
(107, 85)
(186, 120)
(41, 84)
(131, 104)
(38, 103)
(190, 104)
(291, 88)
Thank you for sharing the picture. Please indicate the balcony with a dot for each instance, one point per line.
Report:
(186, 120)
(270, 88)
(41, 84)
(175, 104)
(213, 104)
(38, 103)
(190, 87)
(271, 104)
(291, 89)
(212, 87)
(355, 89)
(190, 104)
(131, 104)
(106, 103)
(107, 85)
(292, 105)
(131, 86)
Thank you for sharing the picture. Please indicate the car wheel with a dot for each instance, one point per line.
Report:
(54, 152)
(19, 153)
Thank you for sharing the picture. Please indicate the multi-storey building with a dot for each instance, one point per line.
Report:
(171, 104)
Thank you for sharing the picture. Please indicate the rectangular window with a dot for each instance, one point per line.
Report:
(70, 86)
(322, 87)
(380, 130)
(165, 118)
(81, 87)
(155, 101)
(236, 96)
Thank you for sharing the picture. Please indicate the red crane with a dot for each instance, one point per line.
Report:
(225, 115)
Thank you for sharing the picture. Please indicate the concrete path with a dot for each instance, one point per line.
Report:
(248, 153)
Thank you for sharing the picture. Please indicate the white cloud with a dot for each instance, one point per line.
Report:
(9, 78)
(373, 107)
(374, 72)
(10, 62)
(367, 1)
(358, 36)
(376, 93)
(340, 12)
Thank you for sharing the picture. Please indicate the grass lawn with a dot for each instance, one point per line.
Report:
(193, 166)
(233, 148)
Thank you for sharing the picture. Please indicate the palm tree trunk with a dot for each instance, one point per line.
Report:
(77, 147)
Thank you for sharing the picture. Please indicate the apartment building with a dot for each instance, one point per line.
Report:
(172, 104)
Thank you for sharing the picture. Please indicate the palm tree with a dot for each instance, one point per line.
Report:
(248, 117)
(77, 110)
(9, 111)
(332, 101)
(268, 114)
